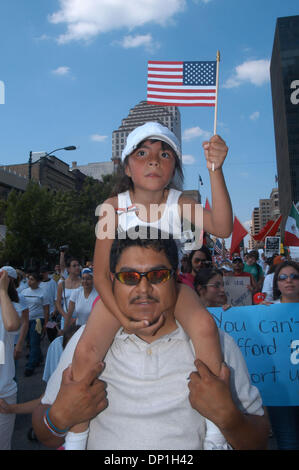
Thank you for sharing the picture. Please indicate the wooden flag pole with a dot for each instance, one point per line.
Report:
(217, 83)
(216, 101)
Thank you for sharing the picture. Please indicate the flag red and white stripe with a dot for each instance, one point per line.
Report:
(181, 83)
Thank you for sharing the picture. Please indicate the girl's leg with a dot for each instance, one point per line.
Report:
(93, 345)
(200, 326)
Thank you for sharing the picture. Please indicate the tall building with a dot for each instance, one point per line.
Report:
(268, 210)
(284, 71)
(255, 227)
(143, 112)
(264, 211)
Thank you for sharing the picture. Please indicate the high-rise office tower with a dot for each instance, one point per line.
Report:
(143, 112)
(284, 73)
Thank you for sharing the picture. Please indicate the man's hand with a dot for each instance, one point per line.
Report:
(210, 395)
(78, 402)
(215, 152)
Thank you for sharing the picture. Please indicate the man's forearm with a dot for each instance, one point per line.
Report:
(246, 432)
(42, 432)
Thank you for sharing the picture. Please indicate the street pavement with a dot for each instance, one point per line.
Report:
(32, 387)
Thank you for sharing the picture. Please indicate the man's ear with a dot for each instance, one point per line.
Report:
(200, 290)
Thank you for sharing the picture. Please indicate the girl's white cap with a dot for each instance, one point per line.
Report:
(10, 271)
(151, 130)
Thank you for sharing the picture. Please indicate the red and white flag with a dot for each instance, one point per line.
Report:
(181, 83)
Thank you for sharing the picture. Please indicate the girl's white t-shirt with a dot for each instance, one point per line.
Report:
(83, 305)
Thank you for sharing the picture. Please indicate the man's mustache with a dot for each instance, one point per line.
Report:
(143, 299)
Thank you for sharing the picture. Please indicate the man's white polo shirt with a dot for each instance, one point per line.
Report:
(147, 389)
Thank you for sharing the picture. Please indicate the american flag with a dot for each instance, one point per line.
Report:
(218, 247)
(181, 83)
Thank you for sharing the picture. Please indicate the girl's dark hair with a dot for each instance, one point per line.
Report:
(35, 275)
(284, 264)
(12, 291)
(70, 260)
(124, 182)
(203, 276)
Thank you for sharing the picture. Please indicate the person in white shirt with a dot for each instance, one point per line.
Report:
(9, 325)
(38, 305)
(82, 299)
(66, 287)
(50, 288)
(158, 398)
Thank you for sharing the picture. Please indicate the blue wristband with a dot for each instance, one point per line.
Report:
(59, 431)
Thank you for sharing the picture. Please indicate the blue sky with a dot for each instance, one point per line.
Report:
(72, 69)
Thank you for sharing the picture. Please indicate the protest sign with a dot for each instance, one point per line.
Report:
(268, 337)
(236, 289)
(272, 246)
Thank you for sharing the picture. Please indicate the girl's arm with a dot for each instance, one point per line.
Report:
(59, 301)
(23, 333)
(19, 408)
(46, 314)
(69, 319)
(218, 221)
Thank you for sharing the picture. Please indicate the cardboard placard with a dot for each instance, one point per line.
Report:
(236, 289)
(268, 337)
(272, 246)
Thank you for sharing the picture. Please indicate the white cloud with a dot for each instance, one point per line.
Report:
(256, 72)
(195, 132)
(144, 40)
(98, 137)
(188, 159)
(61, 71)
(86, 19)
(254, 116)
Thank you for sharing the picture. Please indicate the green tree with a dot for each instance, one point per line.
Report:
(28, 218)
(39, 219)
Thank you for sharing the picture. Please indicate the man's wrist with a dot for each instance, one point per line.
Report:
(58, 419)
(231, 420)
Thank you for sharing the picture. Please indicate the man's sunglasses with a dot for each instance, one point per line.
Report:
(156, 276)
(284, 277)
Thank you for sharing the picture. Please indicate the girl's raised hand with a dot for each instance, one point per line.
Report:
(215, 152)
(4, 280)
(142, 327)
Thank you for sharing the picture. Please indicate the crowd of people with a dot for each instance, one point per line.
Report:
(53, 304)
(174, 381)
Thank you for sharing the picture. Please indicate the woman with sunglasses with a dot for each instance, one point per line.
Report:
(209, 285)
(285, 419)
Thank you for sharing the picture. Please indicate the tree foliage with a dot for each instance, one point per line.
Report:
(39, 220)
